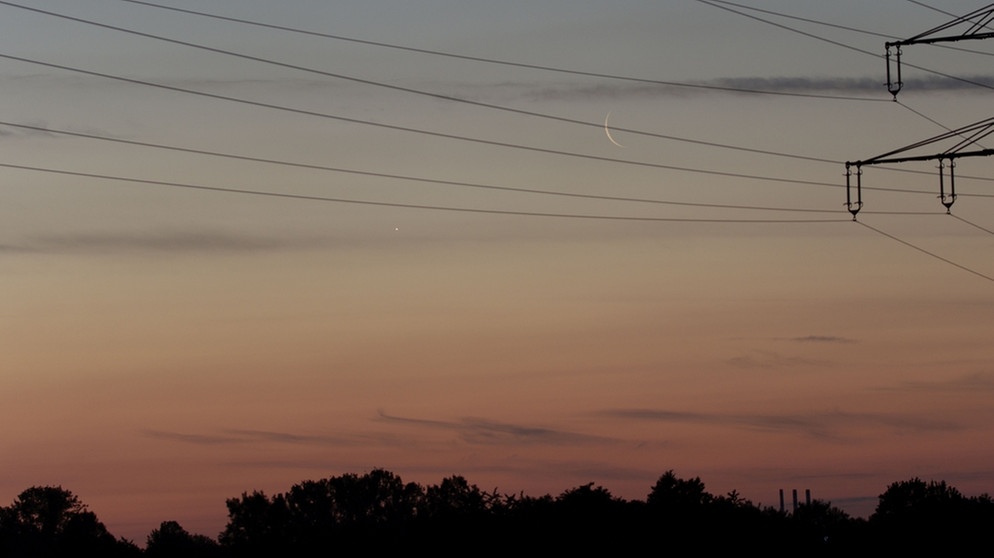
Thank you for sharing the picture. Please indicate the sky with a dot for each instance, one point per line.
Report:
(589, 242)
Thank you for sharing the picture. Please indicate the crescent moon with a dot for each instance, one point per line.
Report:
(607, 131)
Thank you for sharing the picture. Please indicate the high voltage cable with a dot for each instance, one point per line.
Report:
(943, 12)
(442, 96)
(928, 253)
(806, 20)
(403, 89)
(409, 178)
(446, 97)
(719, 4)
(442, 182)
(974, 225)
(497, 61)
(244, 191)
(843, 27)
(934, 9)
(933, 121)
(442, 208)
(405, 177)
(416, 130)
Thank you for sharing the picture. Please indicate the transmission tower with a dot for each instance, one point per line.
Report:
(972, 26)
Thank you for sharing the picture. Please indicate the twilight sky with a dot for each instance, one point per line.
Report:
(222, 273)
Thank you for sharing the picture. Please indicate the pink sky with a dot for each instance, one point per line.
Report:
(165, 348)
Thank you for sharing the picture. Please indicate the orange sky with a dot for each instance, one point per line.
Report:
(166, 348)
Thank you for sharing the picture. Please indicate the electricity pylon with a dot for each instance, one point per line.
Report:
(972, 27)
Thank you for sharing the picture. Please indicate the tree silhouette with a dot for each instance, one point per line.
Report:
(915, 515)
(916, 497)
(377, 513)
(822, 527)
(377, 499)
(374, 509)
(673, 494)
(589, 519)
(455, 516)
(49, 521)
(257, 526)
(171, 539)
(455, 497)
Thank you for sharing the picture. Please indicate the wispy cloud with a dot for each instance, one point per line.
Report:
(199, 439)
(158, 242)
(972, 383)
(823, 425)
(482, 431)
(290, 438)
(248, 437)
(868, 86)
(823, 339)
(769, 359)
(475, 431)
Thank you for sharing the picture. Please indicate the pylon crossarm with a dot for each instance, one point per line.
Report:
(969, 135)
(974, 22)
(934, 157)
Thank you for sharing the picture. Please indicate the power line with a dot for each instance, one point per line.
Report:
(807, 20)
(721, 6)
(401, 177)
(437, 134)
(463, 138)
(838, 26)
(933, 121)
(431, 94)
(408, 129)
(943, 12)
(285, 195)
(438, 95)
(498, 61)
(442, 182)
(718, 4)
(974, 225)
(950, 14)
(410, 90)
(928, 253)
(455, 183)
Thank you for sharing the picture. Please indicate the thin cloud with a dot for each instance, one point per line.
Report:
(979, 382)
(482, 431)
(864, 87)
(834, 425)
(198, 439)
(255, 437)
(161, 242)
(867, 85)
(289, 438)
(769, 360)
(823, 339)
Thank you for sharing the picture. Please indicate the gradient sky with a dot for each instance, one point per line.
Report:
(165, 348)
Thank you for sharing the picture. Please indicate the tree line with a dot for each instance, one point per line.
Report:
(377, 512)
